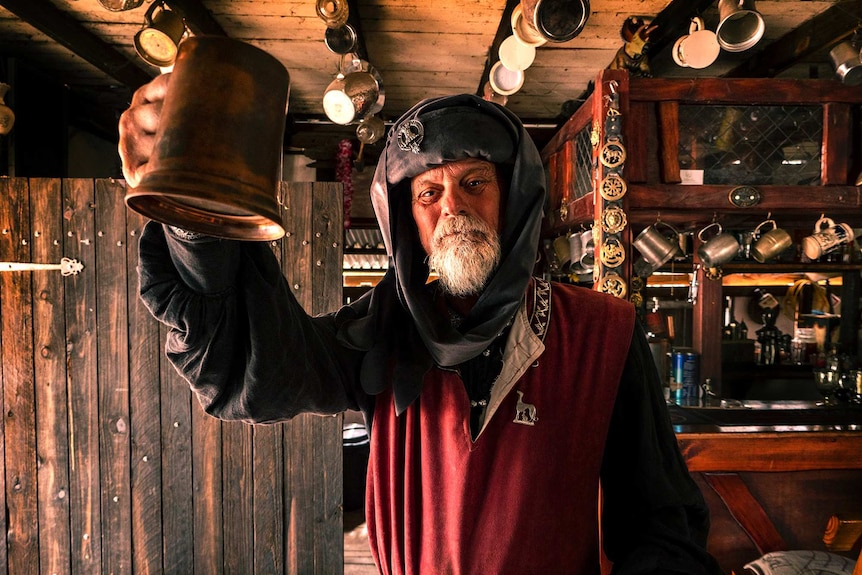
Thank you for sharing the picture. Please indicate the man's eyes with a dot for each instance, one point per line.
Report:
(473, 184)
(426, 195)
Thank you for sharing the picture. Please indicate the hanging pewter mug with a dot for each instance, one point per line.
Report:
(216, 163)
(770, 243)
(556, 20)
(847, 61)
(719, 249)
(655, 247)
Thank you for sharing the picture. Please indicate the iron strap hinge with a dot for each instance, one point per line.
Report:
(66, 266)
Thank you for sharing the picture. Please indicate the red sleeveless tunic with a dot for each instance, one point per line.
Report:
(522, 498)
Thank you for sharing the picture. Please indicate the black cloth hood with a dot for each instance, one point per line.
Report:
(398, 322)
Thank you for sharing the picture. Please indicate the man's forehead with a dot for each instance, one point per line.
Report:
(454, 168)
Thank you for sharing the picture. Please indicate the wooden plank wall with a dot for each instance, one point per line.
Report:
(108, 463)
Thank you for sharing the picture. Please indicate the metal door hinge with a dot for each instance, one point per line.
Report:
(66, 266)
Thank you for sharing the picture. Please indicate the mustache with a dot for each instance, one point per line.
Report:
(464, 253)
(463, 226)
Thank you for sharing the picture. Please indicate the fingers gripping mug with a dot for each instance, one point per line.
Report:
(771, 243)
(827, 237)
(719, 249)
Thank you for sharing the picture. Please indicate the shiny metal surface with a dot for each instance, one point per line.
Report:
(216, 167)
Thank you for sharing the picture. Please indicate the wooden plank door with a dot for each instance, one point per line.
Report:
(109, 464)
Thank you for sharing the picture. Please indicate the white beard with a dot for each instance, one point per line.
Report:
(464, 253)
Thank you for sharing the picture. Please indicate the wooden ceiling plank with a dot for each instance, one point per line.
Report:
(831, 26)
(44, 16)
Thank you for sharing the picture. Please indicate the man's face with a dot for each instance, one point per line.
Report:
(457, 212)
(465, 187)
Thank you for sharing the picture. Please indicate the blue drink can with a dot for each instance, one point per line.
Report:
(685, 377)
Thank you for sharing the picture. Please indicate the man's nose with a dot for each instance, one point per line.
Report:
(453, 201)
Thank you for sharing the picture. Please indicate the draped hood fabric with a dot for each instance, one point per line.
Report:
(400, 322)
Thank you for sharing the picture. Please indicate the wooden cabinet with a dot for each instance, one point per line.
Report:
(669, 133)
(774, 491)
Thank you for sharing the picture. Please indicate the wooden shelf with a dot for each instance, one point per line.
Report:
(650, 111)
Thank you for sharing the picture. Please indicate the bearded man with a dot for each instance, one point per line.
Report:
(497, 402)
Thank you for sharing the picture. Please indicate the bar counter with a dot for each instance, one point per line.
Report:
(750, 416)
(772, 473)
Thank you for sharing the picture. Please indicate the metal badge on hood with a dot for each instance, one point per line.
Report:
(410, 135)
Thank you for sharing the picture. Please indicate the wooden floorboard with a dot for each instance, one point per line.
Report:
(357, 554)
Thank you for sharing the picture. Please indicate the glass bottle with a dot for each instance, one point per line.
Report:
(833, 360)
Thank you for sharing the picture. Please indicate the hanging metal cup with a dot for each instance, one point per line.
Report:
(556, 20)
(847, 62)
(686, 246)
(771, 243)
(216, 164)
(523, 30)
(576, 250)
(588, 250)
(827, 237)
(562, 251)
(697, 49)
(158, 41)
(334, 13)
(353, 96)
(120, 5)
(655, 247)
(740, 26)
(718, 249)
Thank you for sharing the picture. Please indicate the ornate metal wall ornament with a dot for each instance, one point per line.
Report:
(613, 220)
(612, 253)
(637, 285)
(613, 284)
(595, 135)
(744, 196)
(613, 153)
(713, 273)
(613, 187)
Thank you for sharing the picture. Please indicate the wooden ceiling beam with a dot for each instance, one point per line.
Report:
(50, 20)
(504, 30)
(197, 17)
(833, 25)
(355, 21)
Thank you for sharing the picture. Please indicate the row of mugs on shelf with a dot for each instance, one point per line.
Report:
(575, 252)
(765, 243)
